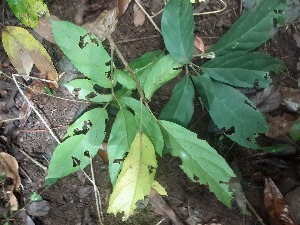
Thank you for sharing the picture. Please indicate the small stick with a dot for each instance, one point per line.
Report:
(213, 12)
(35, 110)
(149, 17)
(255, 213)
(26, 174)
(137, 39)
(33, 160)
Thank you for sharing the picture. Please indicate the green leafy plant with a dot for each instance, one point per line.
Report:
(137, 135)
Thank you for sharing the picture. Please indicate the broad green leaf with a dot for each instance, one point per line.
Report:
(251, 29)
(150, 126)
(121, 136)
(229, 108)
(74, 153)
(243, 69)
(203, 85)
(199, 160)
(177, 26)
(180, 107)
(136, 177)
(295, 130)
(24, 51)
(124, 78)
(84, 50)
(87, 90)
(164, 70)
(29, 11)
(84, 121)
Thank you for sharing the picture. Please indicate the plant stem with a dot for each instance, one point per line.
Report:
(138, 86)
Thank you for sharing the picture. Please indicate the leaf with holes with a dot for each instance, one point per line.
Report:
(87, 90)
(229, 108)
(251, 29)
(180, 107)
(121, 136)
(199, 160)
(29, 11)
(150, 126)
(177, 25)
(74, 153)
(243, 69)
(136, 177)
(84, 50)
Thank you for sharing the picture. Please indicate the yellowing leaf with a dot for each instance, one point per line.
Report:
(160, 189)
(24, 50)
(136, 177)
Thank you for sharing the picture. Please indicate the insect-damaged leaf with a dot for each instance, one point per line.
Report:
(251, 29)
(24, 50)
(74, 153)
(243, 69)
(121, 136)
(199, 160)
(177, 25)
(84, 50)
(28, 11)
(180, 107)
(229, 108)
(136, 177)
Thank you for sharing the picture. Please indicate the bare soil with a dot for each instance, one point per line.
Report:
(72, 200)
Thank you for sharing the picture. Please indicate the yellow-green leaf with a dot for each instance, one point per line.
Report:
(29, 11)
(136, 177)
(24, 50)
(160, 189)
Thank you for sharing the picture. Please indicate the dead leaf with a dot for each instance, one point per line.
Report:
(24, 50)
(267, 100)
(278, 209)
(45, 28)
(280, 125)
(161, 207)
(122, 7)
(291, 98)
(104, 24)
(9, 168)
(199, 44)
(103, 152)
(138, 16)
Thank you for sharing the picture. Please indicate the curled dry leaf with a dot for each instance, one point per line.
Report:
(267, 100)
(104, 24)
(161, 207)
(122, 7)
(45, 28)
(103, 152)
(24, 50)
(138, 16)
(278, 209)
(291, 98)
(280, 125)
(9, 170)
(199, 45)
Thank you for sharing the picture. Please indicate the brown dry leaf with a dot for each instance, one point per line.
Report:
(104, 24)
(199, 44)
(291, 98)
(138, 16)
(161, 207)
(9, 168)
(45, 28)
(278, 209)
(103, 152)
(122, 7)
(24, 50)
(280, 125)
(267, 100)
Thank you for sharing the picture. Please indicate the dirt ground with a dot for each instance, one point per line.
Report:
(72, 201)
